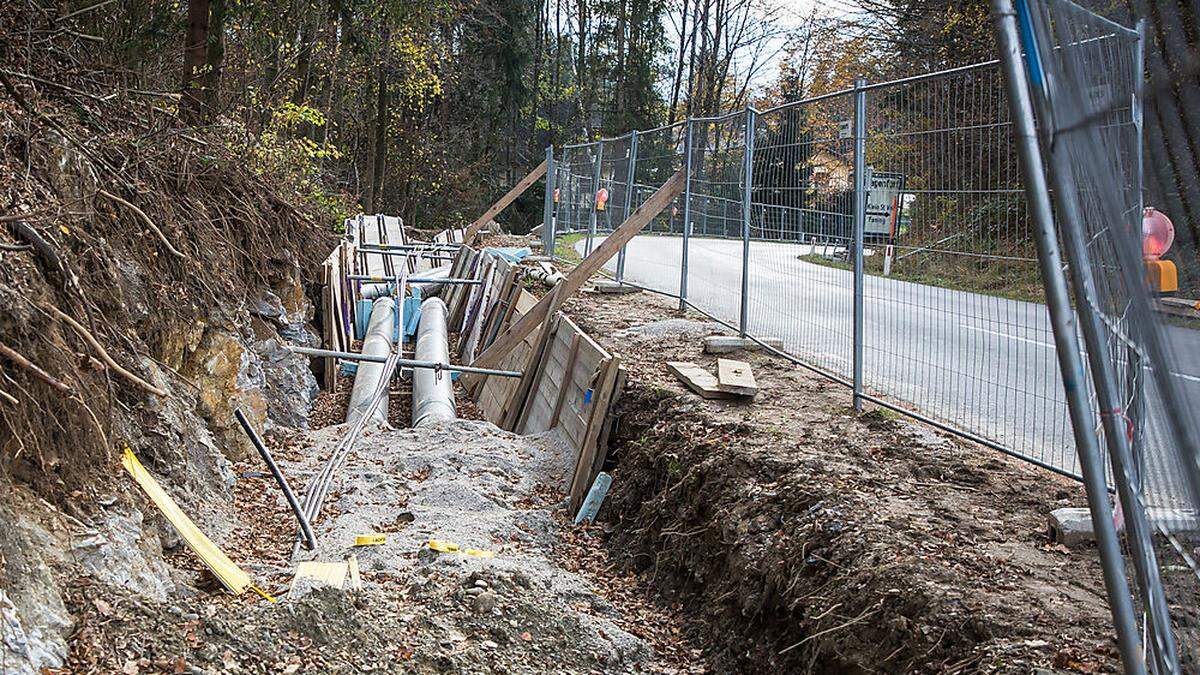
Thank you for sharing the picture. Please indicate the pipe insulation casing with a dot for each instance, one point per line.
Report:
(381, 330)
(433, 391)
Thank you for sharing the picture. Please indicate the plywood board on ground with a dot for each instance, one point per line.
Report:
(697, 379)
(736, 377)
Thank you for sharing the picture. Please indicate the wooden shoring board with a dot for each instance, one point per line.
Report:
(572, 365)
(506, 298)
(583, 271)
(457, 270)
(477, 304)
(494, 395)
(589, 461)
(462, 294)
(478, 272)
(502, 203)
(531, 370)
(541, 411)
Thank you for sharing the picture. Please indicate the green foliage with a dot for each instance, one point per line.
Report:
(289, 159)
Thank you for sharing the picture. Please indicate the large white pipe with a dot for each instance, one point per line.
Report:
(433, 392)
(381, 331)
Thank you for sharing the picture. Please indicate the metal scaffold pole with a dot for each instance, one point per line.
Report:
(1066, 341)
(595, 192)
(548, 204)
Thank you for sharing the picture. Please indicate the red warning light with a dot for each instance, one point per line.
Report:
(1158, 233)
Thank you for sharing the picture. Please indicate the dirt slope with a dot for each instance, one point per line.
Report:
(803, 538)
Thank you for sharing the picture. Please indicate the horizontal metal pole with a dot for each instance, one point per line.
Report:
(414, 280)
(406, 363)
(407, 247)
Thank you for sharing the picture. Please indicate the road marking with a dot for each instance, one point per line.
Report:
(1006, 335)
(1191, 378)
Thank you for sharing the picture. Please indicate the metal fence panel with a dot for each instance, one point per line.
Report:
(800, 288)
(954, 315)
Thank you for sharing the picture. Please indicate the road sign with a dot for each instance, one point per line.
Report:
(883, 203)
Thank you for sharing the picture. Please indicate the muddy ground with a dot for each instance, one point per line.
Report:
(800, 537)
(782, 535)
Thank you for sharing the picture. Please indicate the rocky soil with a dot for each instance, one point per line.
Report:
(801, 537)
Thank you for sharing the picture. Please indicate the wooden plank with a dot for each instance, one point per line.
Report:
(697, 379)
(588, 453)
(535, 364)
(584, 271)
(736, 377)
(564, 384)
(502, 203)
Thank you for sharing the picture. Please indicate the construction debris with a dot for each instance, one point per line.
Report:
(727, 344)
(339, 575)
(595, 497)
(697, 379)
(614, 287)
(735, 377)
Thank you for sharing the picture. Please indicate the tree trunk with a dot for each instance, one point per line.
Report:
(379, 154)
(195, 54)
(215, 59)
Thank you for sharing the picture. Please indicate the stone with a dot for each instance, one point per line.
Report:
(1071, 526)
(484, 603)
(268, 306)
(289, 383)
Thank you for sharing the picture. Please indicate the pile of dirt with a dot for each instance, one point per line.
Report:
(804, 538)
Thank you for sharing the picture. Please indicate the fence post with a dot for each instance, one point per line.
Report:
(595, 189)
(751, 118)
(1058, 304)
(548, 223)
(632, 173)
(687, 217)
(860, 224)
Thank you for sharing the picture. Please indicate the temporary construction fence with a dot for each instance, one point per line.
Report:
(938, 313)
(884, 234)
(1081, 79)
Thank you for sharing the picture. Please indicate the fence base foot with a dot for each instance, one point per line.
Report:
(727, 344)
(615, 288)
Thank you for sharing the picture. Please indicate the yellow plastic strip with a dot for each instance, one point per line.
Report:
(263, 593)
(229, 574)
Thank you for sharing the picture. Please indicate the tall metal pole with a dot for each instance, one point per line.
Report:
(860, 226)
(595, 191)
(1112, 417)
(744, 315)
(630, 175)
(1062, 319)
(687, 217)
(548, 204)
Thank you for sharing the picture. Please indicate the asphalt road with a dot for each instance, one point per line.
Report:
(979, 362)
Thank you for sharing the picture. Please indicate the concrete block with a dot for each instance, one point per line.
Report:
(726, 344)
(1071, 526)
(612, 287)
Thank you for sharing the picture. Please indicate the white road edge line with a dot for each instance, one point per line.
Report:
(1191, 378)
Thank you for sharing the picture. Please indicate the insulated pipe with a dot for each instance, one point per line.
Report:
(433, 281)
(377, 342)
(433, 392)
